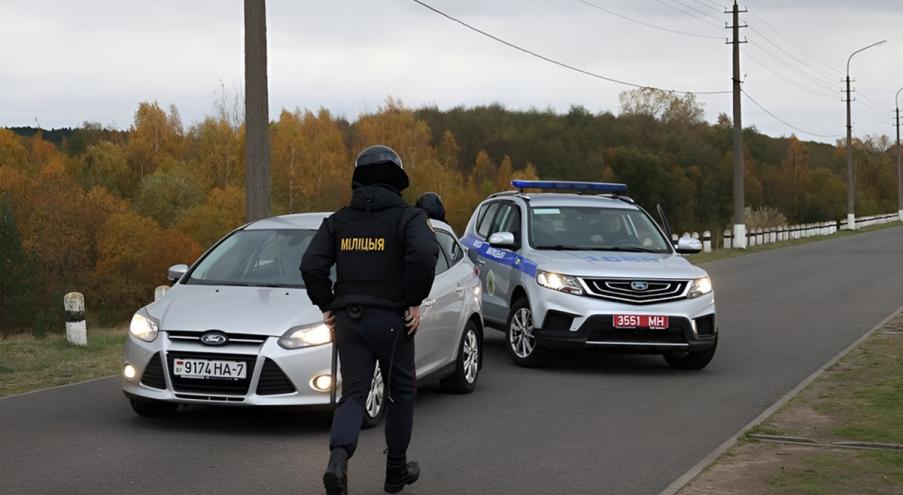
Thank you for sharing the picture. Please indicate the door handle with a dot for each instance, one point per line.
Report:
(427, 303)
(480, 261)
(460, 290)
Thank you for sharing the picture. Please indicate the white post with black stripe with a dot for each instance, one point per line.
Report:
(707, 242)
(76, 329)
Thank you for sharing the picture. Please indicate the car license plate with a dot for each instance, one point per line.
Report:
(640, 321)
(205, 368)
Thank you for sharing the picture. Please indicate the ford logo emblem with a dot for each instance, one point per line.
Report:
(639, 286)
(214, 338)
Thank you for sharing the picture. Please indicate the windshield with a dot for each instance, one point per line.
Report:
(595, 229)
(255, 258)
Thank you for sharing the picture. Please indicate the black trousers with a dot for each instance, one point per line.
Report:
(374, 336)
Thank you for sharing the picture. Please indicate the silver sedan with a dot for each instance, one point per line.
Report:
(237, 327)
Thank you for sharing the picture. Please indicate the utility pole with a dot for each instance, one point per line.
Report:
(739, 201)
(257, 120)
(851, 176)
(899, 163)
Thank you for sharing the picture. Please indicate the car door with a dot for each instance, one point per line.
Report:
(451, 303)
(498, 268)
(434, 328)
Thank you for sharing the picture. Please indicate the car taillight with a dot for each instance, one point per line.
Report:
(476, 270)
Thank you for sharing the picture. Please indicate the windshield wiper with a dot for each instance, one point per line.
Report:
(634, 249)
(562, 247)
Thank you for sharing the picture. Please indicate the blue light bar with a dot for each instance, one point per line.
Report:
(555, 185)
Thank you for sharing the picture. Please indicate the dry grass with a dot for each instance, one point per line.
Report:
(29, 363)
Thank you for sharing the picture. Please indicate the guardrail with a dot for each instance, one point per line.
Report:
(761, 236)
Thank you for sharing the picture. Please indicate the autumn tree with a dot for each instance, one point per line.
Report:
(104, 164)
(216, 149)
(154, 137)
(222, 211)
(17, 276)
(163, 196)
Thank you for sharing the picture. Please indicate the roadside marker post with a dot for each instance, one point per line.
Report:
(707, 241)
(727, 239)
(76, 329)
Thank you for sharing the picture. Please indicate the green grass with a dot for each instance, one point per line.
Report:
(30, 363)
(723, 254)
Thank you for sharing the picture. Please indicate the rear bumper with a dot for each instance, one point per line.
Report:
(684, 334)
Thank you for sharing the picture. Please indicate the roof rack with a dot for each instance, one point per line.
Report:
(611, 188)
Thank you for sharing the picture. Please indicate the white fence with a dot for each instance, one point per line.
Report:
(763, 236)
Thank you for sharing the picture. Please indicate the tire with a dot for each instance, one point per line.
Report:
(467, 362)
(690, 360)
(153, 408)
(519, 340)
(375, 405)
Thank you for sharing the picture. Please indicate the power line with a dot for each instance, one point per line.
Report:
(714, 5)
(700, 19)
(710, 5)
(769, 26)
(603, 9)
(557, 62)
(770, 113)
(795, 58)
(804, 88)
(805, 75)
(694, 9)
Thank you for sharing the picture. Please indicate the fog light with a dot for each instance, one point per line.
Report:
(321, 383)
(129, 372)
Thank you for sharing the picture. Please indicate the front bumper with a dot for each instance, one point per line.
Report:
(567, 321)
(276, 376)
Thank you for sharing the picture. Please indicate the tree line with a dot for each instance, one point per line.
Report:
(105, 212)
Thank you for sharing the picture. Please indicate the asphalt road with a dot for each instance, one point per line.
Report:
(594, 423)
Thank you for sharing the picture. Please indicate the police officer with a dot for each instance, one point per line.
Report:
(385, 256)
(431, 203)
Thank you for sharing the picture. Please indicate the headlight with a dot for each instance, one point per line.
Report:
(700, 287)
(308, 336)
(561, 283)
(143, 327)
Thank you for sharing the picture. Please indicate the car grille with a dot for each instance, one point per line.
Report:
(273, 380)
(234, 338)
(153, 373)
(602, 330)
(211, 386)
(656, 291)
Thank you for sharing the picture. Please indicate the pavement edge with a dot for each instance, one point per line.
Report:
(694, 471)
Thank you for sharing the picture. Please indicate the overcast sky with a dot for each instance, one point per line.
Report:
(66, 62)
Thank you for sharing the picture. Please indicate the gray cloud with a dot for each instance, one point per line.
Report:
(95, 60)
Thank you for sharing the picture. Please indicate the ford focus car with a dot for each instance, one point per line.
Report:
(237, 327)
(581, 265)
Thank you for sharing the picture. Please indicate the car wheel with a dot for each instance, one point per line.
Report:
(375, 407)
(690, 360)
(153, 408)
(519, 339)
(467, 362)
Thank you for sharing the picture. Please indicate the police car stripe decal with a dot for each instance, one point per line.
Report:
(502, 256)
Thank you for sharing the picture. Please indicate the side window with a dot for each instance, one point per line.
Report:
(507, 220)
(486, 219)
(450, 247)
(441, 262)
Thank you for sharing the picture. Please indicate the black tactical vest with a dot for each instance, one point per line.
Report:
(370, 249)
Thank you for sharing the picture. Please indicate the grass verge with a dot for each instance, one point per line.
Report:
(29, 363)
(723, 254)
(858, 399)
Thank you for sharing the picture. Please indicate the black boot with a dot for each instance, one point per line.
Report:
(336, 477)
(399, 473)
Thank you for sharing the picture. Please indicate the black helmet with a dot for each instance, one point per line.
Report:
(380, 165)
(431, 203)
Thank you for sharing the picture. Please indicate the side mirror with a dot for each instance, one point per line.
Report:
(175, 272)
(688, 245)
(504, 240)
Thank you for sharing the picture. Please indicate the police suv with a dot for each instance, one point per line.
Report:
(581, 265)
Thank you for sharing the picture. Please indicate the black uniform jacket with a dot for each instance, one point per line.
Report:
(384, 250)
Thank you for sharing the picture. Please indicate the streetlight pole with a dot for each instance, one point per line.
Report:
(899, 162)
(851, 185)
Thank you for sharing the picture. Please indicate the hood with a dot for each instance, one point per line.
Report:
(617, 265)
(375, 197)
(255, 310)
